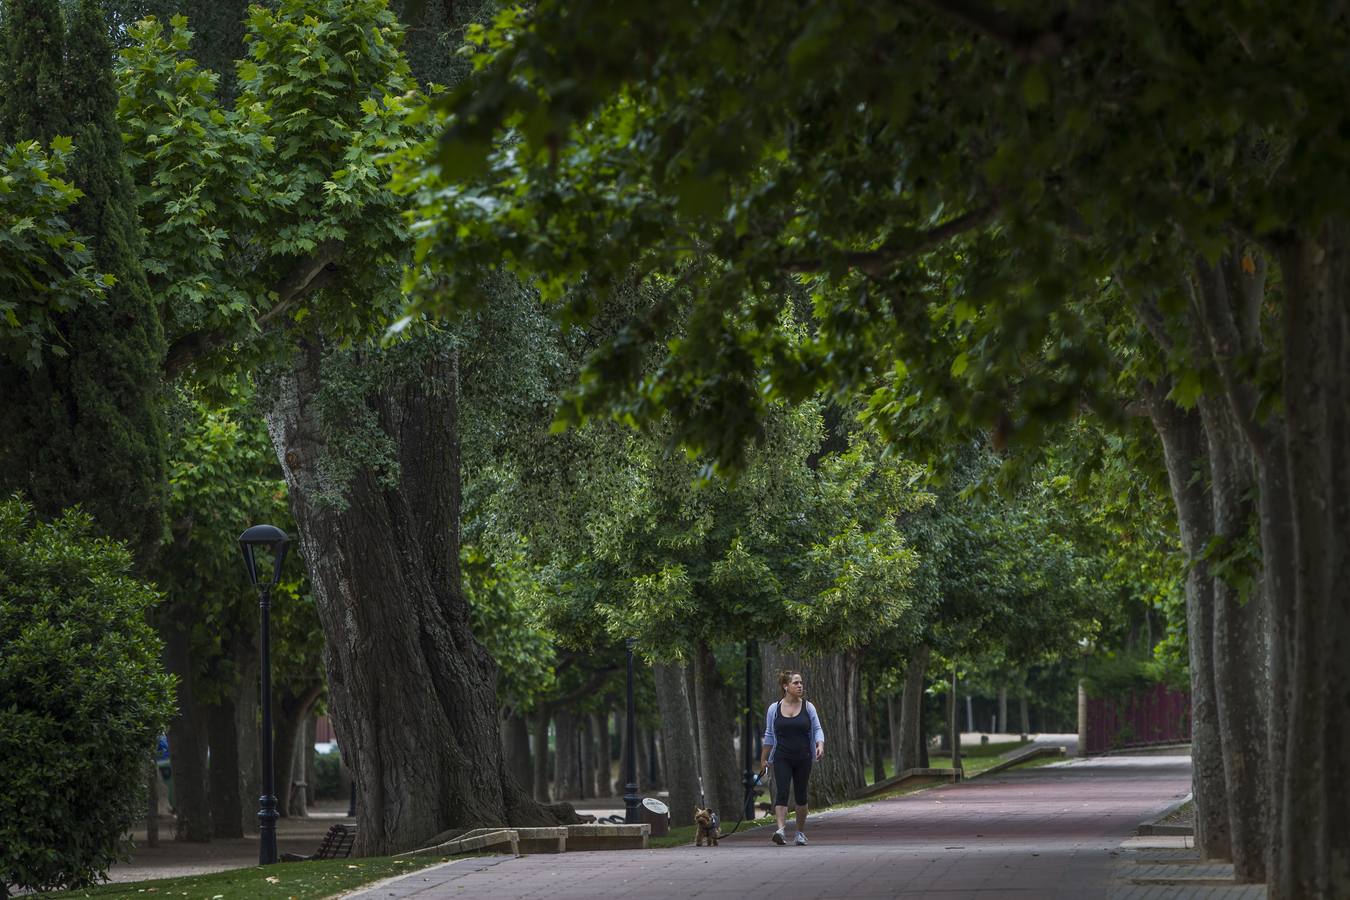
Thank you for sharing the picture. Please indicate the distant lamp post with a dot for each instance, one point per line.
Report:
(274, 539)
(630, 795)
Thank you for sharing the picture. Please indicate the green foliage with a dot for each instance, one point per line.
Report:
(85, 425)
(250, 208)
(82, 699)
(223, 477)
(32, 93)
(45, 268)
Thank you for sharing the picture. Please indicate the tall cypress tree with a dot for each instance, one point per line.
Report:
(86, 427)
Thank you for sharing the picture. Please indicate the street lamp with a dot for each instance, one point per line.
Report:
(275, 539)
(630, 796)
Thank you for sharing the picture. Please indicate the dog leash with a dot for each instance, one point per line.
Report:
(745, 801)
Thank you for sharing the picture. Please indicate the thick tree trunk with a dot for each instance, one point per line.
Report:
(1026, 719)
(228, 802)
(187, 731)
(516, 746)
(716, 721)
(911, 708)
(1186, 456)
(567, 760)
(832, 686)
(1314, 816)
(412, 691)
(1239, 648)
(291, 711)
(672, 699)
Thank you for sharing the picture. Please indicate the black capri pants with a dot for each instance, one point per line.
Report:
(794, 771)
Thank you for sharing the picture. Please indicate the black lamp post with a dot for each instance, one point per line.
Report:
(630, 795)
(275, 539)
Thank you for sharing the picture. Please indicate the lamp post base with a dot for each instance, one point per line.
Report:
(267, 830)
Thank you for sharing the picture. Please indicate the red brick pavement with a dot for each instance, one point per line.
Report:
(1040, 833)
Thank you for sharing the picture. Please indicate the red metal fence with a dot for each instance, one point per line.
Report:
(1153, 716)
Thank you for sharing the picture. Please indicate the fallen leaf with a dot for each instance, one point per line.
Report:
(1248, 264)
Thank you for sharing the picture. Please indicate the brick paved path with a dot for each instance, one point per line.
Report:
(1052, 832)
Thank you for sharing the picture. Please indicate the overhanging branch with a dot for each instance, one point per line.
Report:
(308, 274)
(876, 263)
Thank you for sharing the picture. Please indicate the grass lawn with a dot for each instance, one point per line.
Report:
(299, 880)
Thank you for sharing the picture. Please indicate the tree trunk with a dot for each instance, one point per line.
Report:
(874, 718)
(516, 746)
(911, 708)
(832, 686)
(411, 689)
(1186, 456)
(228, 802)
(307, 758)
(601, 773)
(893, 703)
(1026, 719)
(291, 711)
(716, 720)
(1315, 841)
(1239, 648)
(152, 805)
(586, 765)
(1002, 724)
(187, 731)
(540, 776)
(672, 699)
(953, 725)
(566, 759)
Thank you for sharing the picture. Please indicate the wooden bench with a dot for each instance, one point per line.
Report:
(336, 844)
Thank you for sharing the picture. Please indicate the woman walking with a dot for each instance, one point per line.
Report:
(793, 739)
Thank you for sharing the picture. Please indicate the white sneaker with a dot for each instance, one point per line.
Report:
(801, 839)
(779, 837)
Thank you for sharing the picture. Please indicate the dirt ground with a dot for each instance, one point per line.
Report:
(172, 859)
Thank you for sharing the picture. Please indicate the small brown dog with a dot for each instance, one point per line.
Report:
(709, 826)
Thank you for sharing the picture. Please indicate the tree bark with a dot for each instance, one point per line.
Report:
(187, 731)
(911, 708)
(874, 719)
(1314, 859)
(516, 746)
(540, 777)
(228, 801)
(586, 766)
(672, 699)
(1186, 456)
(411, 690)
(152, 805)
(567, 761)
(601, 774)
(1002, 709)
(1239, 649)
(832, 686)
(1026, 719)
(291, 711)
(716, 719)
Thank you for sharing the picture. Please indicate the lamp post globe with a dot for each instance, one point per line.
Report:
(274, 539)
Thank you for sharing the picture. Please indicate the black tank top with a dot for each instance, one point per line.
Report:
(793, 733)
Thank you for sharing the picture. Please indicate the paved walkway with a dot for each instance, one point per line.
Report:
(1051, 832)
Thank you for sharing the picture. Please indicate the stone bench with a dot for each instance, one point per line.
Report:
(608, 837)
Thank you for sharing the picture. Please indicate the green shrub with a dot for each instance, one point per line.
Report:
(82, 698)
(327, 776)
